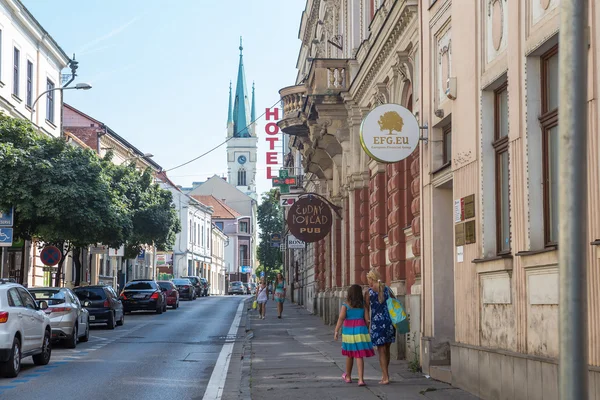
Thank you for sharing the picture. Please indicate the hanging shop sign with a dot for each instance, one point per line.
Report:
(272, 137)
(295, 243)
(389, 133)
(309, 219)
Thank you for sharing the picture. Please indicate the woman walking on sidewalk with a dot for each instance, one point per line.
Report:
(279, 296)
(356, 342)
(383, 332)
(261, 299)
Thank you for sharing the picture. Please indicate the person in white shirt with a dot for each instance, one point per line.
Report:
(261, 299)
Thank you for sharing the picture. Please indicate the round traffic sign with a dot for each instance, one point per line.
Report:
(50, 255)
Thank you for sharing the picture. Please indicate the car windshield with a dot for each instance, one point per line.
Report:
(182, 281)
(193, 280)
(166, 285)
(236, 283)
(139, 286)
(51, 296)
(94, 293)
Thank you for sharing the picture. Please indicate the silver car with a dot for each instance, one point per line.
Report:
(68, 319)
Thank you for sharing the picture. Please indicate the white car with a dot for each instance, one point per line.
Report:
(24, 329)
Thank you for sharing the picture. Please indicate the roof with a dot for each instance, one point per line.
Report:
(222, 210)
(240, 103)
(114, 134)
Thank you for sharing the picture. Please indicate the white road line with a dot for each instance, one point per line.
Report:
(216, 384)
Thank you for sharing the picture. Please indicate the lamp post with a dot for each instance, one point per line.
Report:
(79, 86)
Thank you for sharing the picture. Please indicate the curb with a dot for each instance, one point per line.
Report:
(246, 381)
(237, 384)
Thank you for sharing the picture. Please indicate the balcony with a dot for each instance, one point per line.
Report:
(294, 120)
(328, 77)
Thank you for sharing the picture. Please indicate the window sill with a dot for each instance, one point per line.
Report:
(51, 123)
(14, 96)
(536, 258)
(28, 107)
(443, 167)
(497, 263)
(2, 84)
(595, 242)
(534, 252)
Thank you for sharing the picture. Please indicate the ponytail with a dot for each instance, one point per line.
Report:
(381, 291)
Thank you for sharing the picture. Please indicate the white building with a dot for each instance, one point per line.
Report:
(218, 269)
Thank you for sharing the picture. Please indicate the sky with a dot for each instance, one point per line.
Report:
(160, 70)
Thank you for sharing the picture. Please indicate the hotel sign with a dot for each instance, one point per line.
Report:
(389, 133)
(309, 219)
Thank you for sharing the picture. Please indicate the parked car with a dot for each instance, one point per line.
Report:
(247, 287)
(143, 294)
(24, 329)
(185, 288)
(102, 303)
(205, 287)
(69, 320)
(171, 292)
(197, 284)
(252, 287)
(236, 287)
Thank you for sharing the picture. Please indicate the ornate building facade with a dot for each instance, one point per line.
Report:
(465, 229)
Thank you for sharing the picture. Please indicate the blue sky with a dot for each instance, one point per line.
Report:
(160, 70)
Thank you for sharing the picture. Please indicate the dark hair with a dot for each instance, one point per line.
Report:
(355, 297)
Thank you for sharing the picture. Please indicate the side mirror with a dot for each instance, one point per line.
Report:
(87, 303)
(43, 305)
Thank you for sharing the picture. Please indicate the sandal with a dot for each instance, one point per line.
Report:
(346, 379)
(362, 383)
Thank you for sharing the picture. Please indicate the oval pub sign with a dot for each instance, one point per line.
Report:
(309, 219)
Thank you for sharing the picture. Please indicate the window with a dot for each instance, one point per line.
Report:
(243, 227)
(14, 300)
(29, 83)
(241, 177)
(17, 56)
(501, 149)
(191, 231)
(244, 255)
(549, 123)
(0, 54)
(27, 299)
(203, 239)
(219, 225)
(50, 101)
(447, 144)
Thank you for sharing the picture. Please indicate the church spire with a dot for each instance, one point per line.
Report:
(229, 112)
(240, 119)
(253, 112)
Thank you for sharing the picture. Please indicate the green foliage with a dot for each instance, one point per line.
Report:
(270, 220)
(67, 196)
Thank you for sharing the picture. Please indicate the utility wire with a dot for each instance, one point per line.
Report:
(219, 145)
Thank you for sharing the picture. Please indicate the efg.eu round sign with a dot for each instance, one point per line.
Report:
(389, 133)
(309, 219)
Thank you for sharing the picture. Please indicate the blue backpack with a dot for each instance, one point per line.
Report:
(397, 314)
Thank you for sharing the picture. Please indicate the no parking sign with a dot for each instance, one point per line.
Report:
(50, 255)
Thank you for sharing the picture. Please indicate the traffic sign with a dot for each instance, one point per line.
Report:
(7, 217)
(6, 237)
(50, 269)
(50, 255)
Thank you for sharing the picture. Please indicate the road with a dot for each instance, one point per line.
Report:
(169, 356)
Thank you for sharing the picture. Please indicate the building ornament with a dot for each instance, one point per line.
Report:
(312, 21)
(399, 28)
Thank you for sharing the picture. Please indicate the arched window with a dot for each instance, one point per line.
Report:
(241, 177)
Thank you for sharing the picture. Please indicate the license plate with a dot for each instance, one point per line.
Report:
(139, 296)
(92, 318)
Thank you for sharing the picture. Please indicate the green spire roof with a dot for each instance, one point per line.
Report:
(240, 118)
(253, 112)
(229, 113)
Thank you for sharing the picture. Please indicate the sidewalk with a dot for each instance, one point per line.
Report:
(296, 358)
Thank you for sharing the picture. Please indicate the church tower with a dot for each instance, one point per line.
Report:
(241, 135)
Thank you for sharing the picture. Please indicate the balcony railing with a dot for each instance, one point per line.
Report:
(293, 98)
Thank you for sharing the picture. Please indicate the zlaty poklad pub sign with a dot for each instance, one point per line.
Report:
(309, 219)
(389, 133)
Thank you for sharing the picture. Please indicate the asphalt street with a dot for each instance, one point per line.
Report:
(169, 356)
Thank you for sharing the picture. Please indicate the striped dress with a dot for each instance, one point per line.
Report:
(356, 341)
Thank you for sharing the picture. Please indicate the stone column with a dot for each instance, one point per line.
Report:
(378, 218)
(396, 223)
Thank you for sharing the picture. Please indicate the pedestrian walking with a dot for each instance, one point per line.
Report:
(261, 299)
(383, 332)
(356, 342)
(279, 295)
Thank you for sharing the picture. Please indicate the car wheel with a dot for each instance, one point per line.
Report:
(44, 357)
(122, 320)
(72, 341)
(111, 321)
(159, 310)
(12, 366)
(86, 337)
(165, 307)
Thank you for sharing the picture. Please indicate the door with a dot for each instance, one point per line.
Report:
(82, 313)
(24, 324)
(34, 325)
(117, 305)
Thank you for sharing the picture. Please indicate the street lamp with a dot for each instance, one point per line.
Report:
(79, 86)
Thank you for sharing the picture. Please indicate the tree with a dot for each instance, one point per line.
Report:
(391, 121)
(270, 220)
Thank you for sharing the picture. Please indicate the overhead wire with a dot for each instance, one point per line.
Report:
(228, 139)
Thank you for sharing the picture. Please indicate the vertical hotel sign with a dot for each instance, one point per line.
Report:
(272, 137)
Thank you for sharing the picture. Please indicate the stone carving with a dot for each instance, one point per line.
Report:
(462, 158)
(496, 18)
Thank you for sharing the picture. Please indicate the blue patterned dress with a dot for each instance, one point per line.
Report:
(382, 329)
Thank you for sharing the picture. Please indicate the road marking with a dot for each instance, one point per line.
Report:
(216, 384)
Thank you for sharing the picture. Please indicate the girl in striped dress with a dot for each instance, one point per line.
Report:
(356, 341)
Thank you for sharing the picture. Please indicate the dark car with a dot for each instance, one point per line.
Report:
(143, 294)
(171, 292)
(205, 287)
(102, 303)
(197, 284)
(236, 287)
(185, 288)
